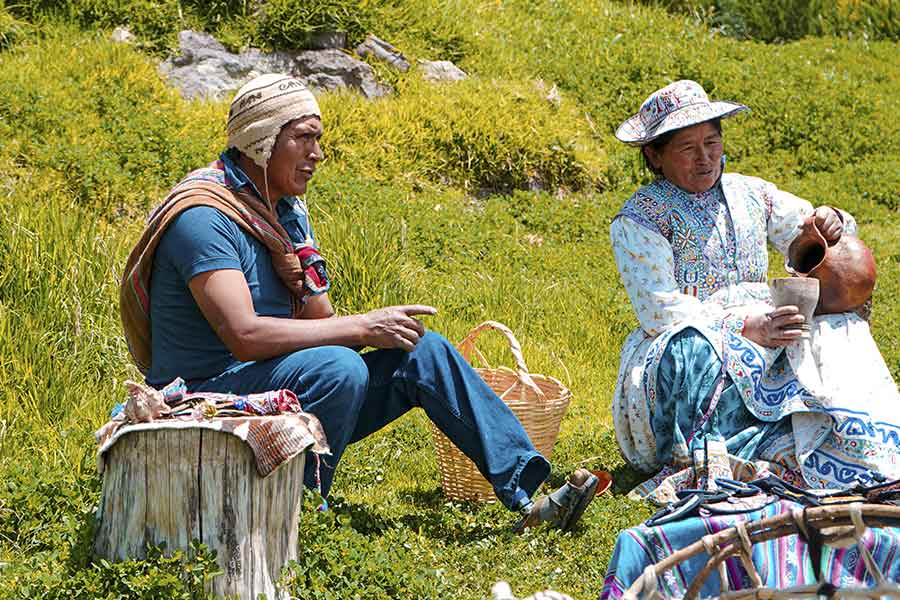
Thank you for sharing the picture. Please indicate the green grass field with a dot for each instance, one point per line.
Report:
(423, 198)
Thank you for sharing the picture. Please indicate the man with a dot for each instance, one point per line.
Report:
(239, 303)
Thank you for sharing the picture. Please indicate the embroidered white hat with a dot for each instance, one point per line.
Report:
(680, 104)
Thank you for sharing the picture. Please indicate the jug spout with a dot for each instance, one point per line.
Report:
(807, 251)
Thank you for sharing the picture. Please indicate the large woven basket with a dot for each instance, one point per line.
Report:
(539, 402)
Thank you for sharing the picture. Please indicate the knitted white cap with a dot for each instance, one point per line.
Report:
(261, 108)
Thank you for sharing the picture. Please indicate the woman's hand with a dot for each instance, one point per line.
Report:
(829, 223)
(775, 329)
(395, 326)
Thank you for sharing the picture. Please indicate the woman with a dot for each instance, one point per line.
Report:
(714, 365)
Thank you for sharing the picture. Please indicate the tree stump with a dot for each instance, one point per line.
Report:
(171, 486)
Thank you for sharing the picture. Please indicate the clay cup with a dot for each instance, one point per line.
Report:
(802, 292)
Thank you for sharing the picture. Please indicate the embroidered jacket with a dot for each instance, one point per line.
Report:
(685, 255)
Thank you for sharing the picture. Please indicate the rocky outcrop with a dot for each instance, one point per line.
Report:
(332, 69)
(441, 70)
(384, 51)
(206, 69)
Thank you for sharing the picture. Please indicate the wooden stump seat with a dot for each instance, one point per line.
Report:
(170, 486)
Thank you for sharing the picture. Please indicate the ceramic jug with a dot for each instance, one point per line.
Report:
(845, 269)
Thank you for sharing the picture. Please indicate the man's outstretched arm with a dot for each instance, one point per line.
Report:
(224, 299)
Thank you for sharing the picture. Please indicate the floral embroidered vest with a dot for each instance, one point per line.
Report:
(715, 243)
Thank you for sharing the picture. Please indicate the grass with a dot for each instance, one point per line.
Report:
(424, 198)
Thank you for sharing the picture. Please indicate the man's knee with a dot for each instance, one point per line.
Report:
(344, 371)
(333, 374)
(434, 344)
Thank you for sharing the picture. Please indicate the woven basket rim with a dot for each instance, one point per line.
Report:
(727, 542)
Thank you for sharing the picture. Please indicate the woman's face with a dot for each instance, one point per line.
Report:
(692, 159)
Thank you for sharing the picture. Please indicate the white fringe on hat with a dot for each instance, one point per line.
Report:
(261, 108)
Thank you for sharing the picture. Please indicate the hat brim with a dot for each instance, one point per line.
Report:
(633, 132)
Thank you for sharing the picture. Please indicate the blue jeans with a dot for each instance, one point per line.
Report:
(355, 395)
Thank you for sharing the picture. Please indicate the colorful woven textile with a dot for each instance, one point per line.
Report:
(272, 423)
(182, 404)
(781, 563)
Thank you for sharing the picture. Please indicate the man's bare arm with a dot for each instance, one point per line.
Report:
(224, 299)
(317, 307)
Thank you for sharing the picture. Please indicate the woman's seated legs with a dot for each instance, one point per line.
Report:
(689, 373)
(687, 377)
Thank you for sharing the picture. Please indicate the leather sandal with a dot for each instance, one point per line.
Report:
(563, 508)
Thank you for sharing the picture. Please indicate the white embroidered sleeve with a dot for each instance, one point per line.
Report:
(787, 214)
(646, 264)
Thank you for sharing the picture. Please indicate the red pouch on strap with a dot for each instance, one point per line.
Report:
(314, 269)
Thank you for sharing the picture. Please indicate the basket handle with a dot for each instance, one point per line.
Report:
(467, 346)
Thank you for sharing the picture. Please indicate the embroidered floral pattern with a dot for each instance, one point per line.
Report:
(700, 260)
(700, 231)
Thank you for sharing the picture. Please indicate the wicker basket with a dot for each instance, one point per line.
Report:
(539, 402)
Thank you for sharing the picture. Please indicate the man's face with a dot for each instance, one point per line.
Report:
(692, 159)
(294, 157)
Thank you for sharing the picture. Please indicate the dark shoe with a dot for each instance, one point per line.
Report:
(564, 507)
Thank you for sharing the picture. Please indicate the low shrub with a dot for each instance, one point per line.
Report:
(339, 562)
(11, 28)
(793, 19)
(291, 24)
(286, 24)
(478, 134)
(178, 575)
(103, 122)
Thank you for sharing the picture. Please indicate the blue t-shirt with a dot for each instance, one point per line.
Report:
(204, 239)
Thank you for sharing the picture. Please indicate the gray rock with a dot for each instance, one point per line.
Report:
(382, 50)
(441, 70)
(206, 69)
(332, 69)
(121, 35)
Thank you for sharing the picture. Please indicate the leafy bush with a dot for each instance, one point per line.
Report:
(337, 561)
(288, 24)
(463, 134)
(155, 23)
(104, 122)
(291, 24)
(794, 19)
(179, 576)
(11, 28)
